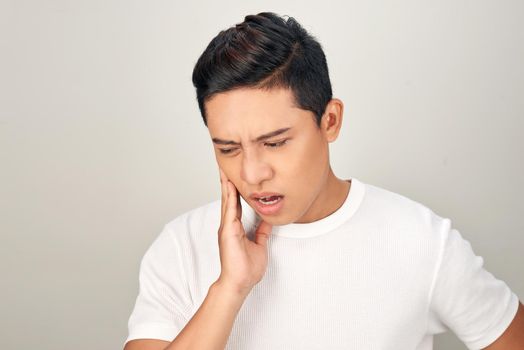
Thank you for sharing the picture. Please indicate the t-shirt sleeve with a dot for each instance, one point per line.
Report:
(466, 298)
(164, 302)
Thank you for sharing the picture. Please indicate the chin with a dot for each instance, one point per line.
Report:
(276, 220)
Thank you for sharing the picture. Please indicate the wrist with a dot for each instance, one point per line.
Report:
(228, 290)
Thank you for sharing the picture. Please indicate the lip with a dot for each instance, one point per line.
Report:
(257, 195)
(265, 209)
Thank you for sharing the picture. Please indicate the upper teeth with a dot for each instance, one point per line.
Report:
(266, 199)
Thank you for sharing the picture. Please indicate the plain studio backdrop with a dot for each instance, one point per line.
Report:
(102, 143)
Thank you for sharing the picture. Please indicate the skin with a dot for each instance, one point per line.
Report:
(294, 164)
(513, 336)
(299, 169)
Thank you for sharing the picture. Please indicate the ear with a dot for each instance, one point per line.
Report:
(332, 119)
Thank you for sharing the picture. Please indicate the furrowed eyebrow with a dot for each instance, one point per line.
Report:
(258, 139)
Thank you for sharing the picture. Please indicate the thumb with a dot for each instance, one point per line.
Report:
(262, 233)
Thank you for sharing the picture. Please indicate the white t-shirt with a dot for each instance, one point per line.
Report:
(382, 272)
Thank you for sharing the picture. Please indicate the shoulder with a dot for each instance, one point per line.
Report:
(399, 209)
(191, 219)
(181, 232)
(399, 220)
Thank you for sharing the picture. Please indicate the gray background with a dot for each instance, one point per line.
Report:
(101, 141)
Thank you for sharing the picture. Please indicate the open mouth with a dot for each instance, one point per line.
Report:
(268, 205)
(269, 200)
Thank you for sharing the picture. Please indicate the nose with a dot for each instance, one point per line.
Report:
(254, 169)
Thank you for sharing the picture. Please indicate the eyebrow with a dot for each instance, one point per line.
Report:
(258, 139)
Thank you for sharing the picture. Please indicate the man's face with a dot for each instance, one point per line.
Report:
(293, 164)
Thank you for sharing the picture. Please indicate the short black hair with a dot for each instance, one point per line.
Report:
(265, 51)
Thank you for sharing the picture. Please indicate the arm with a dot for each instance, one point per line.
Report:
(243, 264)
(513, 337)
(209, 328)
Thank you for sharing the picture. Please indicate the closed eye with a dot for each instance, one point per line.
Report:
(276, 144)
(268, 144)
(226, 150)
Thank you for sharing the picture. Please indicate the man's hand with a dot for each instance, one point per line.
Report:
(243, 262)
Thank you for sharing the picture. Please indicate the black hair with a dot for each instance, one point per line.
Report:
(265, 51)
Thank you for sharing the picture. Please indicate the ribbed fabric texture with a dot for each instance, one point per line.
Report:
(382, 272)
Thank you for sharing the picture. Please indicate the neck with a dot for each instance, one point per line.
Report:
(329, 200)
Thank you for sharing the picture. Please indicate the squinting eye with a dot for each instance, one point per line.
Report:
(226, 150)
(275, 144)
(268, 144)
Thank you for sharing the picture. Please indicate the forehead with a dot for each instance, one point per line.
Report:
(253, 111)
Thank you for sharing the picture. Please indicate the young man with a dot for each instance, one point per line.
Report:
(293, 257)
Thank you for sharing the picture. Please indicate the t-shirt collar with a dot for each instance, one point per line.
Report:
(304, 230)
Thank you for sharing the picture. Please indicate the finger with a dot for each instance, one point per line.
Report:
(223, 189)
(231, 206)
(239, 206)
(262, 233)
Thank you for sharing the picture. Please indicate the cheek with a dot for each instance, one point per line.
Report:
(231, 168)
(228, 167)
(306, 161)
